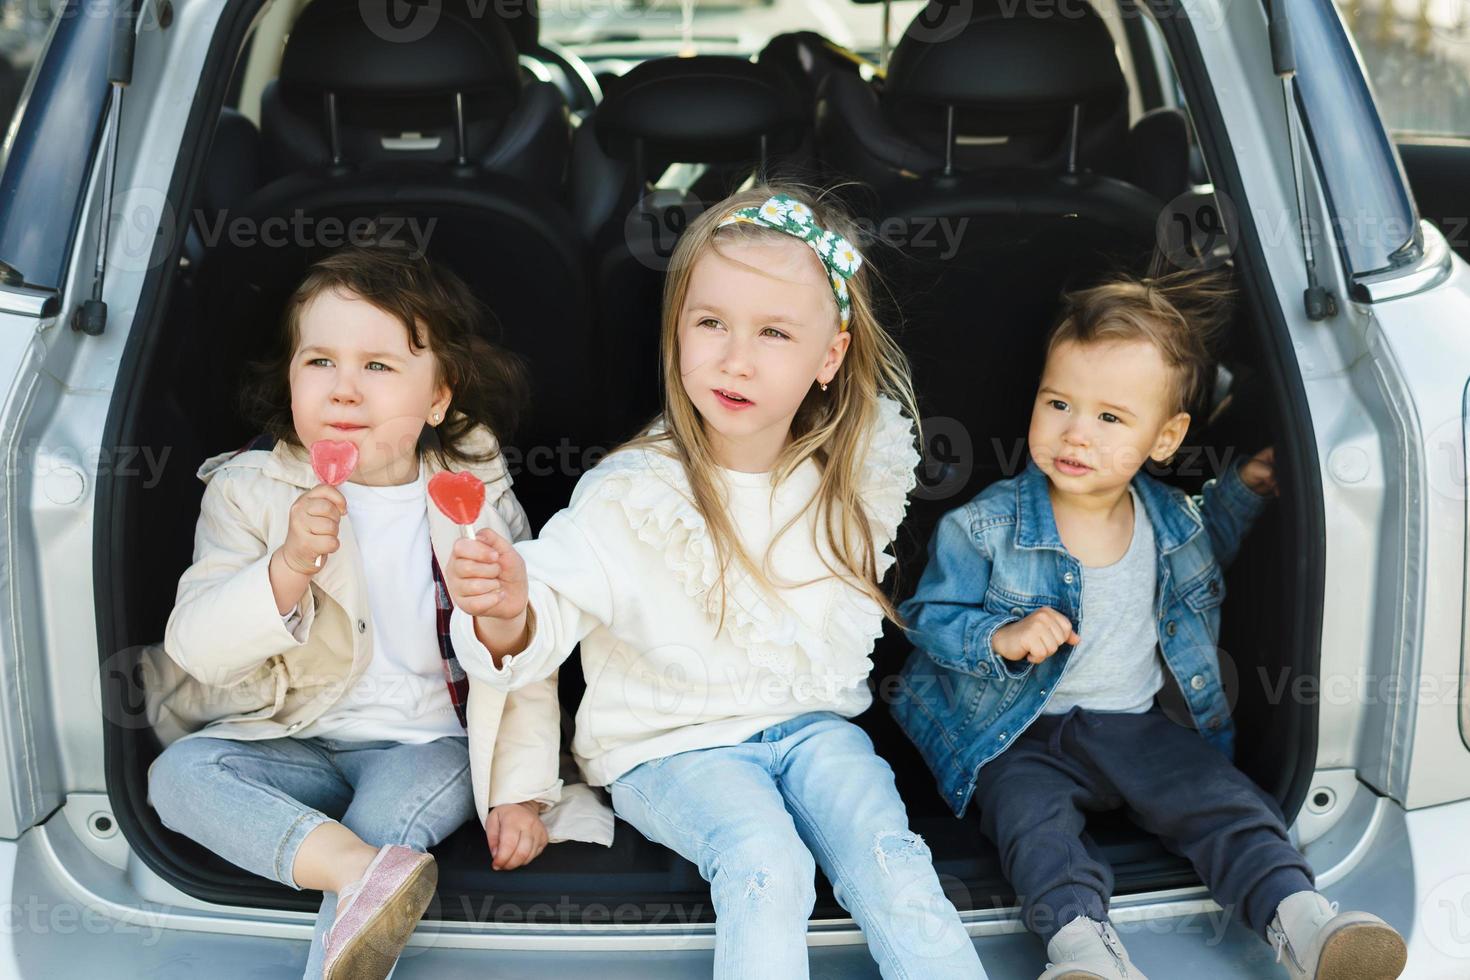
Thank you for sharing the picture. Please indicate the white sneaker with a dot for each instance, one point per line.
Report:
(1086, 949)
(1316, 942)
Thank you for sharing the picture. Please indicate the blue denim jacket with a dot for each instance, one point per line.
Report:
(998, 558)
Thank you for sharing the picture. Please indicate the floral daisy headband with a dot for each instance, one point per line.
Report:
(786, 214)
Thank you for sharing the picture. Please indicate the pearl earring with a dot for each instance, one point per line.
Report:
(824, 386)
(436, 418)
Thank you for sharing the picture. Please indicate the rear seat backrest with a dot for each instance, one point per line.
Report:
(354, 96)
(1012, 109)
(729, 117)
(231, 173)
(1158, 153)
(377, 106)
(514, 247)
(999, 157)
(806, 58)
(1013, 90)
(724, 112)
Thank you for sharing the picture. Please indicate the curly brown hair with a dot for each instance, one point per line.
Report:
(488, 384)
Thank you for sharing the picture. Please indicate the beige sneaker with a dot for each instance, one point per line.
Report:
(1316, 942)
(1086, 949)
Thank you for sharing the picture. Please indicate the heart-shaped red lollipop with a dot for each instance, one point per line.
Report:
(459, 495)
(333, 461)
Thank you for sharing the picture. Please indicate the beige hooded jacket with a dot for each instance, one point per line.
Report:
(229, 667)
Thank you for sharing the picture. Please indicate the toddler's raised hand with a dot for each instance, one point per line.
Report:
(312, 532)
(1259, 473)
(1034, 638)
(486, 577)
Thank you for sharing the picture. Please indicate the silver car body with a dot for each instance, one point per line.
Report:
(1386, 821)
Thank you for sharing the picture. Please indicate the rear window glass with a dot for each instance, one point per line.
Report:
(23, 28)
(713, 26)
(1373, 216)
(596, 28)
(1417, 54)
(55, 85)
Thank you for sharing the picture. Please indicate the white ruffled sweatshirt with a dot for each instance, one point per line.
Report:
(629, 570)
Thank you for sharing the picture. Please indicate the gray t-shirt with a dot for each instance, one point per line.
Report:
(1116, 667)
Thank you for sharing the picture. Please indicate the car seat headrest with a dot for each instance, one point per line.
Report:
(1009, 54)
(358, 47)
(1013, 87)
(707, 109)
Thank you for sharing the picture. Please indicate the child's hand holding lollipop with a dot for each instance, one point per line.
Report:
(317, 513)
(485, 577)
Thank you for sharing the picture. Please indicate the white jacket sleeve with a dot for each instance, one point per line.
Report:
(527, 756)
(225, 622)
(527, 753)
(571, 594)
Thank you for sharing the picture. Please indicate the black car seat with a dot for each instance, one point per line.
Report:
(973, 98)
(444, 88)
(997, 158)
(549, 61)
(806, 58)
(671, 137)
(234, 169)
(436, 183)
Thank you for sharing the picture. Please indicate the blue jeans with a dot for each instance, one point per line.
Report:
(253, 803)
(759, 816)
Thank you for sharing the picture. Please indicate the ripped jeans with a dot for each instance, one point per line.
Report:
(758, 817)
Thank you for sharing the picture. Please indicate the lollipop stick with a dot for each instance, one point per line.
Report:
(467, 531)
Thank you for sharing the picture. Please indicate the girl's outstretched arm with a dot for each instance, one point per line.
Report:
(532, 621)
(486, 579)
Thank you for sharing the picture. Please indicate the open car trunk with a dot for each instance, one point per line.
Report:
(149, 531)
(169, 405)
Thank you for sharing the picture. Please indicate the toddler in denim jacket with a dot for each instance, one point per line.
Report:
(1054, 606)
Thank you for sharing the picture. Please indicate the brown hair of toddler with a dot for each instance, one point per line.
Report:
(1180, 313)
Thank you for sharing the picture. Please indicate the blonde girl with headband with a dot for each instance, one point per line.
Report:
(722, 574)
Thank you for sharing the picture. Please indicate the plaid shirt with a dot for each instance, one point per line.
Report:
(454, 675)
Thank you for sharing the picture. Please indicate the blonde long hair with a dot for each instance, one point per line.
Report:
(833, 427)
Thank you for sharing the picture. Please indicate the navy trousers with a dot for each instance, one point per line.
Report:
(1035, 795)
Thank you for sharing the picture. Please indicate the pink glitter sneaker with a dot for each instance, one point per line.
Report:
(377, 913)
